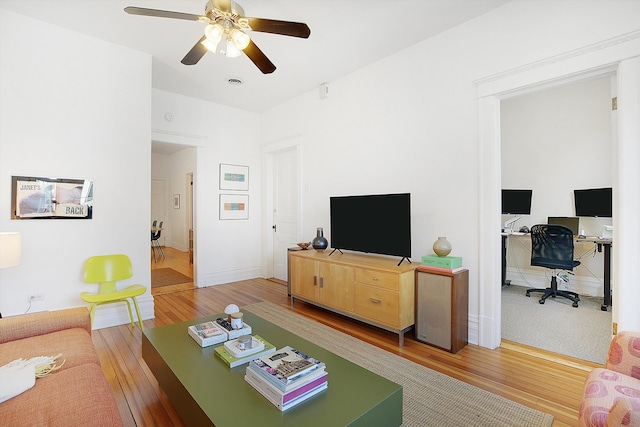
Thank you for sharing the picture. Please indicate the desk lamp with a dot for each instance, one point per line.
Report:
(9, 250)
(508, 225)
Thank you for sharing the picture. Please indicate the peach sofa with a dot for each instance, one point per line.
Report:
(611, 395)
(78, 394)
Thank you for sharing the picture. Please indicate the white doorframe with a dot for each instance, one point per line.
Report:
(268, 151)
(196, 142)
(606, 57)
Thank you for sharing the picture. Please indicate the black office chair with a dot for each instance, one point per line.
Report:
(552, 247)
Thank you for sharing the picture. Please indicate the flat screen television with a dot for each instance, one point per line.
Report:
(379, 224)
(594, 202)
(516, 202)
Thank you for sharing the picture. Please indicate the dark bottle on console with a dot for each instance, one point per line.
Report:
(320, 243)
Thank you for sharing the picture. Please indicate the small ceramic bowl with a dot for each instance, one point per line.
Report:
(304, 245)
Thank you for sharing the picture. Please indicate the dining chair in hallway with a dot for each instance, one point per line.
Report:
(155, 243)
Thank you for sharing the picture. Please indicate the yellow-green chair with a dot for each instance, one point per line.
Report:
(107, 270)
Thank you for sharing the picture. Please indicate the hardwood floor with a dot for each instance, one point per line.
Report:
(541, 380)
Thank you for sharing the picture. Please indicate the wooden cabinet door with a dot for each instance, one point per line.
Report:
(305, 280)
(336, 286)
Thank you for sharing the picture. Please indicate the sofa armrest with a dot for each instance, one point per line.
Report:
(624, 354)
(28, 325)
(624, 412)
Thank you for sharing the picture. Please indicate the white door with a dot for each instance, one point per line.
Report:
(285, 208)
(158, 204)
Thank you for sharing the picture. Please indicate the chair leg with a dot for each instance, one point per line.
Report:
(91, 312)
(130, 313)
(153, 251)
(554, 292)
(159, 248)
(135, 303)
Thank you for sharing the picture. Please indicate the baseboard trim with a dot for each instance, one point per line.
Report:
(108, 315)
(228, 276)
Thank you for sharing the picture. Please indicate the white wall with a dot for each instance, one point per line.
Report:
(76, 108)
(553, 142)
(229, 250)
(410, 121)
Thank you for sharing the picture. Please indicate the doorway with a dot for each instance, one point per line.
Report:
(283, 204)
(562, 69)
(173, 169)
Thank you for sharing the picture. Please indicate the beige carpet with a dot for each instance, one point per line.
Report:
(583, 332)
(429, 397)
(167, 276)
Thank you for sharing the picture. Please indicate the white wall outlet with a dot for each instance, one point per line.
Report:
(36, 297)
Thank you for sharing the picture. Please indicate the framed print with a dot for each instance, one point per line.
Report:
(234, 206)
(47, 198)
(176, 201)
(234, 177)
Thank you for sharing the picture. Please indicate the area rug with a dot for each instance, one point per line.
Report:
(167, 276)
(429, 397)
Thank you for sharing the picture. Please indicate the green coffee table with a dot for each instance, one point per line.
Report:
(204, 391)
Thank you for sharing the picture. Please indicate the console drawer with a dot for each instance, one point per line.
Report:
(377, 278)
(377, 304)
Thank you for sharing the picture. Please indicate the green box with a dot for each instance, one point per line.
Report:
(449, 262)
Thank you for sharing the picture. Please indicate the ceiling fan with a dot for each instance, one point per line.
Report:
(225, 31)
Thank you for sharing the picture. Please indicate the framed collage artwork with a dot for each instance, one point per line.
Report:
(234, 206)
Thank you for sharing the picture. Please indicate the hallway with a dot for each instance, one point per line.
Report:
(178, 261)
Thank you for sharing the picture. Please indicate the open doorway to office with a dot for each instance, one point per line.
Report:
(619, 56)
(554, 141)
(173, 169)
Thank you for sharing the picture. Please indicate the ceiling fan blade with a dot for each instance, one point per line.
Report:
(258, 58)
(285, 28)
(161, 13)
(195, 54)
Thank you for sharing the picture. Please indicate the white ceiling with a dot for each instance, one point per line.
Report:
(345, 36)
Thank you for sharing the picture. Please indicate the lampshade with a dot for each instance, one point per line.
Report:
(231, 308)
(240, 39)
(228, 42)
(9, 249)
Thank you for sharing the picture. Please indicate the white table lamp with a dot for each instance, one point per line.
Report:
(9, 249)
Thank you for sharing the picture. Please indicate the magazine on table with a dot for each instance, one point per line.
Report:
(232, 361)
(207, 333)
(286, 366)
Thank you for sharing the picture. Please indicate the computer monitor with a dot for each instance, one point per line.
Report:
(594, 202)
(569, 221)
(516, 202)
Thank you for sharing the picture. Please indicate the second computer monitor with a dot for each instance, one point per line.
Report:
(568, 221)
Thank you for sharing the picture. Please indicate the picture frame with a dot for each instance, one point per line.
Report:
(234, 177)
(51, 198)
(176, 201)
(234, 206)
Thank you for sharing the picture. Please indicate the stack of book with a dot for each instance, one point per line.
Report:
(207, 333)
(287, 377)
(214, 332)
(233, 357)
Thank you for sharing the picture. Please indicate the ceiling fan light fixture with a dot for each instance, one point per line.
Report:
(213, 31)
(240, 38)
(213, 35)
(210, 45)
(230, 50)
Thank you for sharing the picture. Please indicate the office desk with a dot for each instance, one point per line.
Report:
(602, 243)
